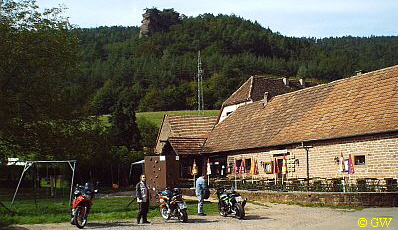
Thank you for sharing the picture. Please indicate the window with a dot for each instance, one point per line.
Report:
(359, 160)
(238, 164)
(248, 164)
(268, 167)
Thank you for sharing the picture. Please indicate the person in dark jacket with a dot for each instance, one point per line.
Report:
(142, 193)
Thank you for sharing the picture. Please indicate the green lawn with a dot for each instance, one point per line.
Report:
(157, 117)
(51, 210)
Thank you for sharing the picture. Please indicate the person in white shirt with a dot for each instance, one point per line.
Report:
(200, 186)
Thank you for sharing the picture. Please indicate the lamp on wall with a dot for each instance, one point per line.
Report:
(307, 148)
(336, 160)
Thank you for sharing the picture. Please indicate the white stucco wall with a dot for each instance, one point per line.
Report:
(229, 109)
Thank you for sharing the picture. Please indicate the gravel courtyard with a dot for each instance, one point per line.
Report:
(269, 216)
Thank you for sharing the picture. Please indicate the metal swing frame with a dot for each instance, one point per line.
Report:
(28, 164)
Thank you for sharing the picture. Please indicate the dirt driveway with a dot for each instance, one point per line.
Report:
(272, 216)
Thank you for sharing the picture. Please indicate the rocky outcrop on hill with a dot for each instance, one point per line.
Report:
(155, 21)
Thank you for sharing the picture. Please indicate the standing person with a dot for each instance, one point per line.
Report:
(200, 186)
(142, 193)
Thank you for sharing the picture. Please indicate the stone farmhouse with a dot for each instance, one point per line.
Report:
(185, 135)
(313, 127)
(268, 120)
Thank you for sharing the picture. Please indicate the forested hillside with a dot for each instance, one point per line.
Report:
(55, 78)
(158, 72)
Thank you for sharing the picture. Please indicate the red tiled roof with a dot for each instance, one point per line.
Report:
(186, 146)
(191, 125)
(348, 107)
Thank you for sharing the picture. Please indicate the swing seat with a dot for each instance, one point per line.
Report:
(115, 186)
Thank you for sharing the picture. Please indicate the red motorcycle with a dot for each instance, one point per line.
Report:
(81, 204)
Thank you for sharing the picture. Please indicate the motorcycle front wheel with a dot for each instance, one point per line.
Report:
(163, 212)
(80, 218)
(239, 211)
(182, 215)
(221, 209)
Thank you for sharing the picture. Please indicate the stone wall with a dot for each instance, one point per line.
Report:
(368, 199)
(380, 151)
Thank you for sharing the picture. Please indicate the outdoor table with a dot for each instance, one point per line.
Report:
(269, 183)
(317, 184)
(332, 184)
(302, 182)
(293, 184)
(372, 183)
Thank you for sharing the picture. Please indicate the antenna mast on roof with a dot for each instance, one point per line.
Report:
(200, 85)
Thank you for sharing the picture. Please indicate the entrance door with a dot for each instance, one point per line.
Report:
(279, 176)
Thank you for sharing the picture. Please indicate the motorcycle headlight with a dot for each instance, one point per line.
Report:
(238, 198)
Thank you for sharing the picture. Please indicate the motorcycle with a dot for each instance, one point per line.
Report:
(231, 202)
(81, 204)
(173, 205)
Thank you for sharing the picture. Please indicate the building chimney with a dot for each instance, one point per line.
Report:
(285, 81)
(302, 82)
(265, 99)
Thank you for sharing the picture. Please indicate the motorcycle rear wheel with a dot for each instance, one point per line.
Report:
(239, 211)
(80, 217)
(182, 215)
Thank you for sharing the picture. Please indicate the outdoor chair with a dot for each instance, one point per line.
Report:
(391, 184)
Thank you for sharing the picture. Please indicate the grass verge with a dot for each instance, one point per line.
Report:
(157, 117)
(52, 210)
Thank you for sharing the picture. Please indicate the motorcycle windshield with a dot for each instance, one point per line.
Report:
(238, 198)
(182, 205)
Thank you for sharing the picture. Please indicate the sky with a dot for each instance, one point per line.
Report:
(298, 18)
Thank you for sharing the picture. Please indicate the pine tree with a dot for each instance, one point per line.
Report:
(124, 129)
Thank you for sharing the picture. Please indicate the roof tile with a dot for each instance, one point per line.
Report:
(191, 125)
(187, 146)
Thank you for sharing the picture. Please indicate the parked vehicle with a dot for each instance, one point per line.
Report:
(231, 202)
(81, 204)
(173, 205)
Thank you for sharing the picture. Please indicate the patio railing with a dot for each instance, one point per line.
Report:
(301, 184)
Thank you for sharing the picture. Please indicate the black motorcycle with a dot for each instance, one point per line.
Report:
(231, 202)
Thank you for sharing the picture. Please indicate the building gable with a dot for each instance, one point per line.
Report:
(185, 131)
(255, 88)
